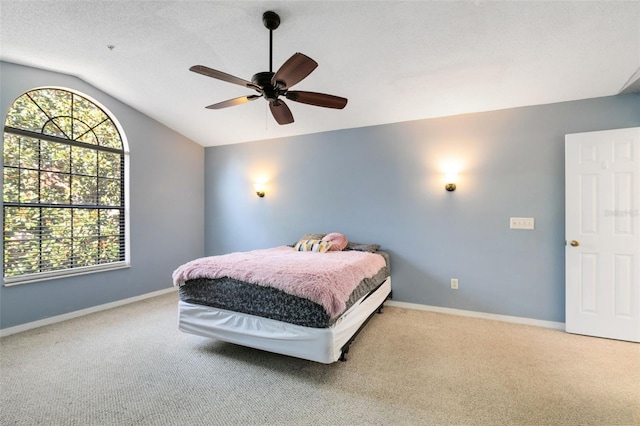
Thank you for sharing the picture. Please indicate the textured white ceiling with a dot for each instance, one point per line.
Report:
(394, 60)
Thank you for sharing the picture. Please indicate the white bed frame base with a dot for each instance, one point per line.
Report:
(323, 345)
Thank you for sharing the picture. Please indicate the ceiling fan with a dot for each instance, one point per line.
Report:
(271, 86)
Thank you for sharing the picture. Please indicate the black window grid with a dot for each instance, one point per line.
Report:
(70, 206)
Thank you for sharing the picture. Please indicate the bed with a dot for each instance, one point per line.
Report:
(306, 300)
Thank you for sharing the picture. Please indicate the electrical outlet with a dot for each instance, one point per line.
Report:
(521, 223)
(454, 283)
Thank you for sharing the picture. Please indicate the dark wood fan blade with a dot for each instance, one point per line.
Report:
(294, 70)
(317, 99)
(233, 102)
(210, 72)
(281, 112)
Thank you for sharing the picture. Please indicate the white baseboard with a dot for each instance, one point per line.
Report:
(75, 314)
(504, 318)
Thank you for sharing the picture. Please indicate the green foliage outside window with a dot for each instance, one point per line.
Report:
(63, 185)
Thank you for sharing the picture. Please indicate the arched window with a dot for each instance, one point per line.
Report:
(64, 188)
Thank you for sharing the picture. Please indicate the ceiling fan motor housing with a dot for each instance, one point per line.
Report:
(263, 79)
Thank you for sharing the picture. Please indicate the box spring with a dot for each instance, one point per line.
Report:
(325, 345)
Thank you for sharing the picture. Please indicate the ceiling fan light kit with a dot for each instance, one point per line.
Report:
(271, 86)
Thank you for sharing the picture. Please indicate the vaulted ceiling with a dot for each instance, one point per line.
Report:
(394, 60)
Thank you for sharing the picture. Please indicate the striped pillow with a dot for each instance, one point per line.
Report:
(312, 245)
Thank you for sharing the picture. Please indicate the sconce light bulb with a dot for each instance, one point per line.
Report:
(450, 178)
(259, 189)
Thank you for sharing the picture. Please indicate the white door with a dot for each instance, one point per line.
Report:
(602, 195)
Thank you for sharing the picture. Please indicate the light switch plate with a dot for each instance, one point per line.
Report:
(521, 223)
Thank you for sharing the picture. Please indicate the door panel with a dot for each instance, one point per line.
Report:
(602, 210)
(588, 282)
(623, 285)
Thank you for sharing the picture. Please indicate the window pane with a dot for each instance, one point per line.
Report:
(21, 257)
(88, 137)
(54, 188)
(87, 111)
(21, 224)
(85, 223)
(60, 126)
(80, 129)
(55, 156)
(29, 153)
(84, 161)
(56, 254)
(52, 129)
(56, 239)
(86, 251)
(56, 223)
(109, 164)
(110, 222)
(24, 114)
(29, 186)
(21, 244)
(84, 190)
(108, 135)
(53, 102)
(109, 191)
(11, 154)
(110, 249)
(11, 185)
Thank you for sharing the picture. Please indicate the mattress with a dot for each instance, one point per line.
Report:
(268, 302)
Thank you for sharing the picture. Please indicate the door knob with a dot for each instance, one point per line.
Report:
(575, 243)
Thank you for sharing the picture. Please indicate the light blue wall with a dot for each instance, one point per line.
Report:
(167, 219)
(377, 184)
(384, 185)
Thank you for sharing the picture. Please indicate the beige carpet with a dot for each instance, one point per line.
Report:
(131, 366)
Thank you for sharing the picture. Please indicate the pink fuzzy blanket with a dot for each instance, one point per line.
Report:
(325, 278)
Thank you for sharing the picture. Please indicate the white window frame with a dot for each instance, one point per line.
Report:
(75, 271)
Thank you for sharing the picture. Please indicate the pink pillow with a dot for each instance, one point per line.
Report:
(338, 241)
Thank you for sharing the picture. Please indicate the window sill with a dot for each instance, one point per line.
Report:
(67, 273)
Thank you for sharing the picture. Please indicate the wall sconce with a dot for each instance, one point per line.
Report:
(450, 181)
(259, 189)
